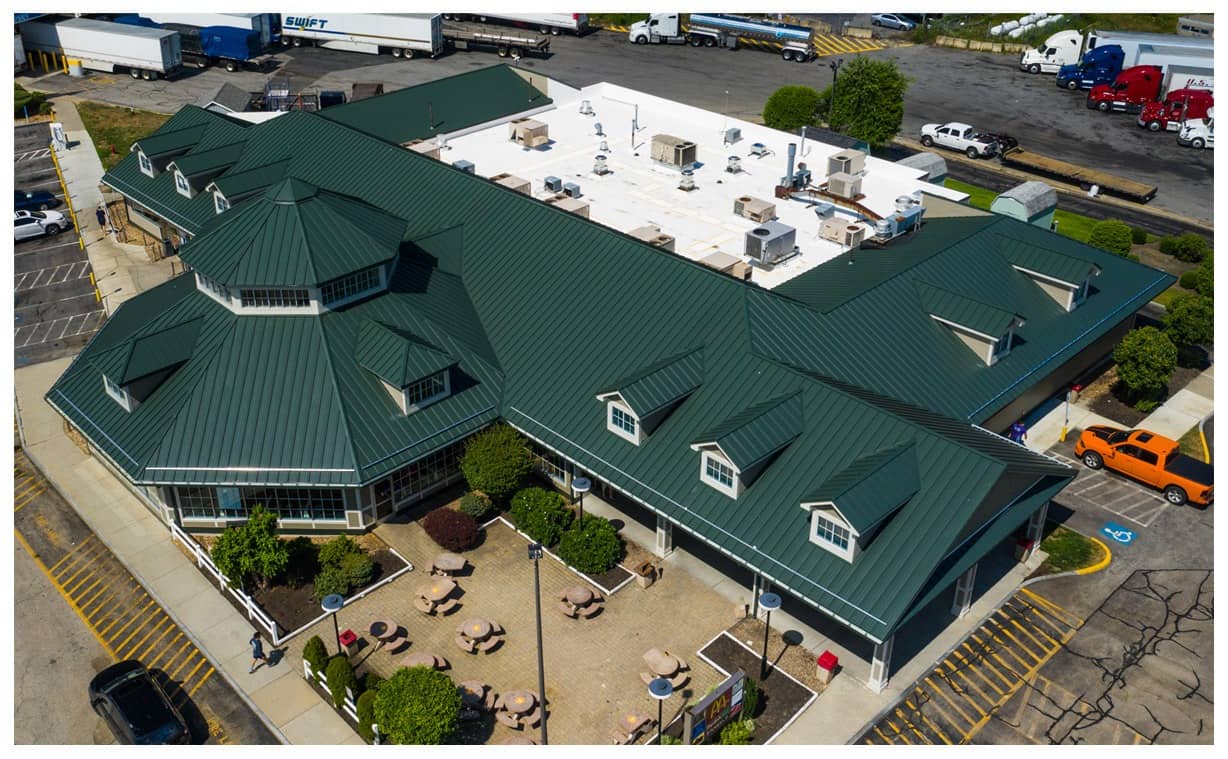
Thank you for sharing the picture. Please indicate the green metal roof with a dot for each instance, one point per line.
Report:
(295, 235)
(964, 311)
(203, 162)
(1061, 266)
(234, 186)
(169, 140)
(161, 350)
(661, 383)
(751, 435)
(871, 488)
(397, 358)
(441, 106)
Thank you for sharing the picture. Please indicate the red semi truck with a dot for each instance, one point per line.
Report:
(1177, 106)
(1132, 88)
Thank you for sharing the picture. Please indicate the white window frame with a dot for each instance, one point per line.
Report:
(1079, 294)
(146, 165)
(351, 287)
(734, 490)
(410, 406)
(220, 203)
(182, 186)
(821, 516)
(632, 437)
(1001, 347)
(117, 393)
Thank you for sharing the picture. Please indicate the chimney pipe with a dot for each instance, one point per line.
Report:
(792, 155)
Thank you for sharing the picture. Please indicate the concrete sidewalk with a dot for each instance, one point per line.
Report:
(278, 694)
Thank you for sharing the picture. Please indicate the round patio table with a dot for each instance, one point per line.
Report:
(436, 589)
(420, 659)
(472, 691)
(383, 630)
(449, 562)
(578, 595)
(476, 628)
(519, 701)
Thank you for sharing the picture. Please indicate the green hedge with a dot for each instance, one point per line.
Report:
(417, 706)
(593, 548)
(366, 715)
(1190, 247)
(541, 514)
(315, 654)
(475, 504)
(340, 674)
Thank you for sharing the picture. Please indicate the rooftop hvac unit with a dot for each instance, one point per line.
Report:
(771, 243)
(846, 162)
(600, 165)
(754, 209)
(732, 135)
(465, 166)
(529, 132)
(571, 190)
(843, 232)
(653, 235)
(733, 165)
(687, 182)
(512, 182)
(554, 184)
(824, 210)
(673, 151)
(759, 149)
(844, 185)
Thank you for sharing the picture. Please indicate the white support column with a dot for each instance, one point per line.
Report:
(880, 667)
(665, 537)
(1036, 529)
(963, 592)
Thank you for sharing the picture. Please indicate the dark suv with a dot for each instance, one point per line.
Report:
(135, 707)
(33, 200)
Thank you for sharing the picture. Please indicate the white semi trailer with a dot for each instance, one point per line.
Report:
(546, 23)
(401, 34)
(265, 23)
(105, 46)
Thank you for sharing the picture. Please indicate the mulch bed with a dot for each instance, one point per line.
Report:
(1104, 395)
(779, 697)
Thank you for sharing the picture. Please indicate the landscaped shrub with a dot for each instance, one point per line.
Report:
(1189, 280)
(1111, 235)
(1138, 235)
(332, 552)
(1190, 246)
(737, 734)
(315, 654)
(340, 674)
(750, 698)
(358, 569)
(1205, 281)
(366, 714)
(1145, 360)
(25, 101)
(1190, 320)
(451, 529)
(417, 706)
(496, 461)
(1146, 405)
(369, 682)
(332, 579)
(475, 504)
(790, 107)
(541, 514)
(593, 548)
(304, 562)
(669, 740)
(251, 552)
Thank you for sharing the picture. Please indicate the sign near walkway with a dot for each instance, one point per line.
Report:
(1118, 533)
(702, 723)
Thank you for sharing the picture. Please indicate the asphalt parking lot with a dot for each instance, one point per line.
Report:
(55, 307)
(1109, 491)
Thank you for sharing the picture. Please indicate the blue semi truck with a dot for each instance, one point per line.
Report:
(227, 46)
(1100, 65)
(1108, 53)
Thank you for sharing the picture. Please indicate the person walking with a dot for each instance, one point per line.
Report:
(257, 652)
(1019, 432)
(102, 219)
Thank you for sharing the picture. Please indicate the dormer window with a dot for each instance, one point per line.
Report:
(736, 452)
(351, 287)
(1002, 345)
(117, 393)
(622, 421)
(827, 530)
(986, 329)
(181, 184)
(146, 164)
(1080, 294)
(220, 203)
(718, 473)
(426, 391)
(1063, 277)
(268, 297)
(639, 403)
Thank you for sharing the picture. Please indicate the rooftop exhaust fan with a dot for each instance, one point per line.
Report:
(734, 165)
(586, 108)
(600, 166)
(687, 182)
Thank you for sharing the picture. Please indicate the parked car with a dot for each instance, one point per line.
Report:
(34, 200)
(135, 707)
(893, 21)
(28, 224)
(1149, 458)
(961, 137)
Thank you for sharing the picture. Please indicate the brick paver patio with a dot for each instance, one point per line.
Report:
(592, 666)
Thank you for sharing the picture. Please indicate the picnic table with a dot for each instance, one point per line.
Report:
(662, 662)
(448, 562)
(422, 659)
(383, 630)
(473, 692)
(436, 589)
(519, 701)
(632, 723)
(578, 595)
(476, 628)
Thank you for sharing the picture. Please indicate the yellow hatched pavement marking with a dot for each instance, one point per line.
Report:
(74, 585)
(960, 671)
(119, 617)
(939, 691)
(196, 687)
(882, 735)
(175, 657)
(1053, 608)
(186, 661)
(972, 667)
(1017, 654)
(928, 722)
(112, 593)
(73, 604)
(102, 594)
(154, 623)
(1045, 648)
(80, 594)
(87, 544)
(898, 733)
(169, 645)
(1036, 628)
(992, 652)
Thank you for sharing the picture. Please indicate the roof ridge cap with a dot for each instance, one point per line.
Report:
(318, 323)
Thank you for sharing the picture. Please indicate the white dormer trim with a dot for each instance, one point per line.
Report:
(828, 529)
(962, 328)
(618, 415)
(146, 165)
(182, 185)
(1000, 347)
(1079, 294)
(713, 461)
(409, 406)
(1045, 277)
(118, 393)
(220, 203)
(1068, 295)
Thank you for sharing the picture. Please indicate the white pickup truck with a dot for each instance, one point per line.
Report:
(961, 137)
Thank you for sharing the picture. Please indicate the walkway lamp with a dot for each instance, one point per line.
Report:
(769, 602)
(660, 689)
(332, 604)
(580, 486)
(535, 554)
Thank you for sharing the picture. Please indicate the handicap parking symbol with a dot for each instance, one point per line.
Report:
(1118, 533)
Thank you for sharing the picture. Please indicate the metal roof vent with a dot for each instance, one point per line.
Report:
(571, 190)
(687, 182)
(600, 166)
(903, 203)
(604, 147)
(732, 135)
(554, 184)
(734, 164)
(465, 166)
(597, 129)
(586, 108)
(759, 149)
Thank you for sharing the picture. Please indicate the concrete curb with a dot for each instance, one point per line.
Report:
(1108, 556)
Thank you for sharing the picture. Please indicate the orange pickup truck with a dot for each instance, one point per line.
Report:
(1149, 458)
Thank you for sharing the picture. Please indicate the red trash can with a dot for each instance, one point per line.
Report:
(827, 663)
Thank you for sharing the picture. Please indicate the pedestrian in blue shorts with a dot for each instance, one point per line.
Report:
(257, 652)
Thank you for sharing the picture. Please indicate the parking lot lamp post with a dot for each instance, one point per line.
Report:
(835, 65)
(580, 486)
(332, 604)
(769, 602)
(535, 553)
(660, 689)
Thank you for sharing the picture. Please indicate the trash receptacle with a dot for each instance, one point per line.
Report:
(1023, 548)
(349, 641)
(645, 574)
(827, 663)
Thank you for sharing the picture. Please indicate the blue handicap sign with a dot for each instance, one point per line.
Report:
(1118, 533)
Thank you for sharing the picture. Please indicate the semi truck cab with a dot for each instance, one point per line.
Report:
(1129, 91)
(1177, 106)
(1198, 133)
(1099, 66)
(1059, 50)
(658, 27)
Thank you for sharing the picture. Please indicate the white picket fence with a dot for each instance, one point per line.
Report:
(348, 704)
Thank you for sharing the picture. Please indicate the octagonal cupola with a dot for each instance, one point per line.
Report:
(297, 249)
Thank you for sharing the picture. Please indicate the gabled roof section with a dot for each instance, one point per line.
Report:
(661, 383)
(295, 235)
(871, 488)
(206, 162)
(972, 314)
(234, 185)
(397, 357)
(1063, 267)
(161, 350)
(170, 142)
(444, 105)
(752, 435)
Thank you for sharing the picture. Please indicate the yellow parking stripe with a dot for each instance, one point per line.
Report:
(883, 735)
(27, 496)
(119, 616)
(938, 691)
(187, 660)
(84, 566)
(154, 626)
(976, 670)
(908, 723)
(898, 733)
(80, 595)
(26, 545)
(170, 644)
(1045, 648)
(927, 722)
(992, 652)
(76, 551)
(175, 656)
(114, 592)
(104, 592)
(1053, 608)
(202, 682)
(971, 702)
(75, 560)
(156, 645)
(1002, 629)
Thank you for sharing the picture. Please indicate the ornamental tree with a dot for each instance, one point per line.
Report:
(868, 101)
(791, 107)
(1111, 235)
(1190, 320)
(1145, 360)
(417, 705)
(251, 552)
(496, 462)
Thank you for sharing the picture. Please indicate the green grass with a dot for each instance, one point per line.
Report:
(1166, 297)
(976, 26)
(1191, 444)
(111, 126)
(1069, 224)
(1068, 551)
(615, 19)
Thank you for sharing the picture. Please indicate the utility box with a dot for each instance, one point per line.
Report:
(771, 243)
(731, 265)
(673, 151)
(572, 205)
(465, 166)
(754, 209)
(529, 132)
(512, 182)
(653, 236)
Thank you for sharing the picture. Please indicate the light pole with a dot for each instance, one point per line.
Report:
(581, 485)
(535, 553)
(769, 602)
(331, 604)
(835, 65)
(660, 689)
